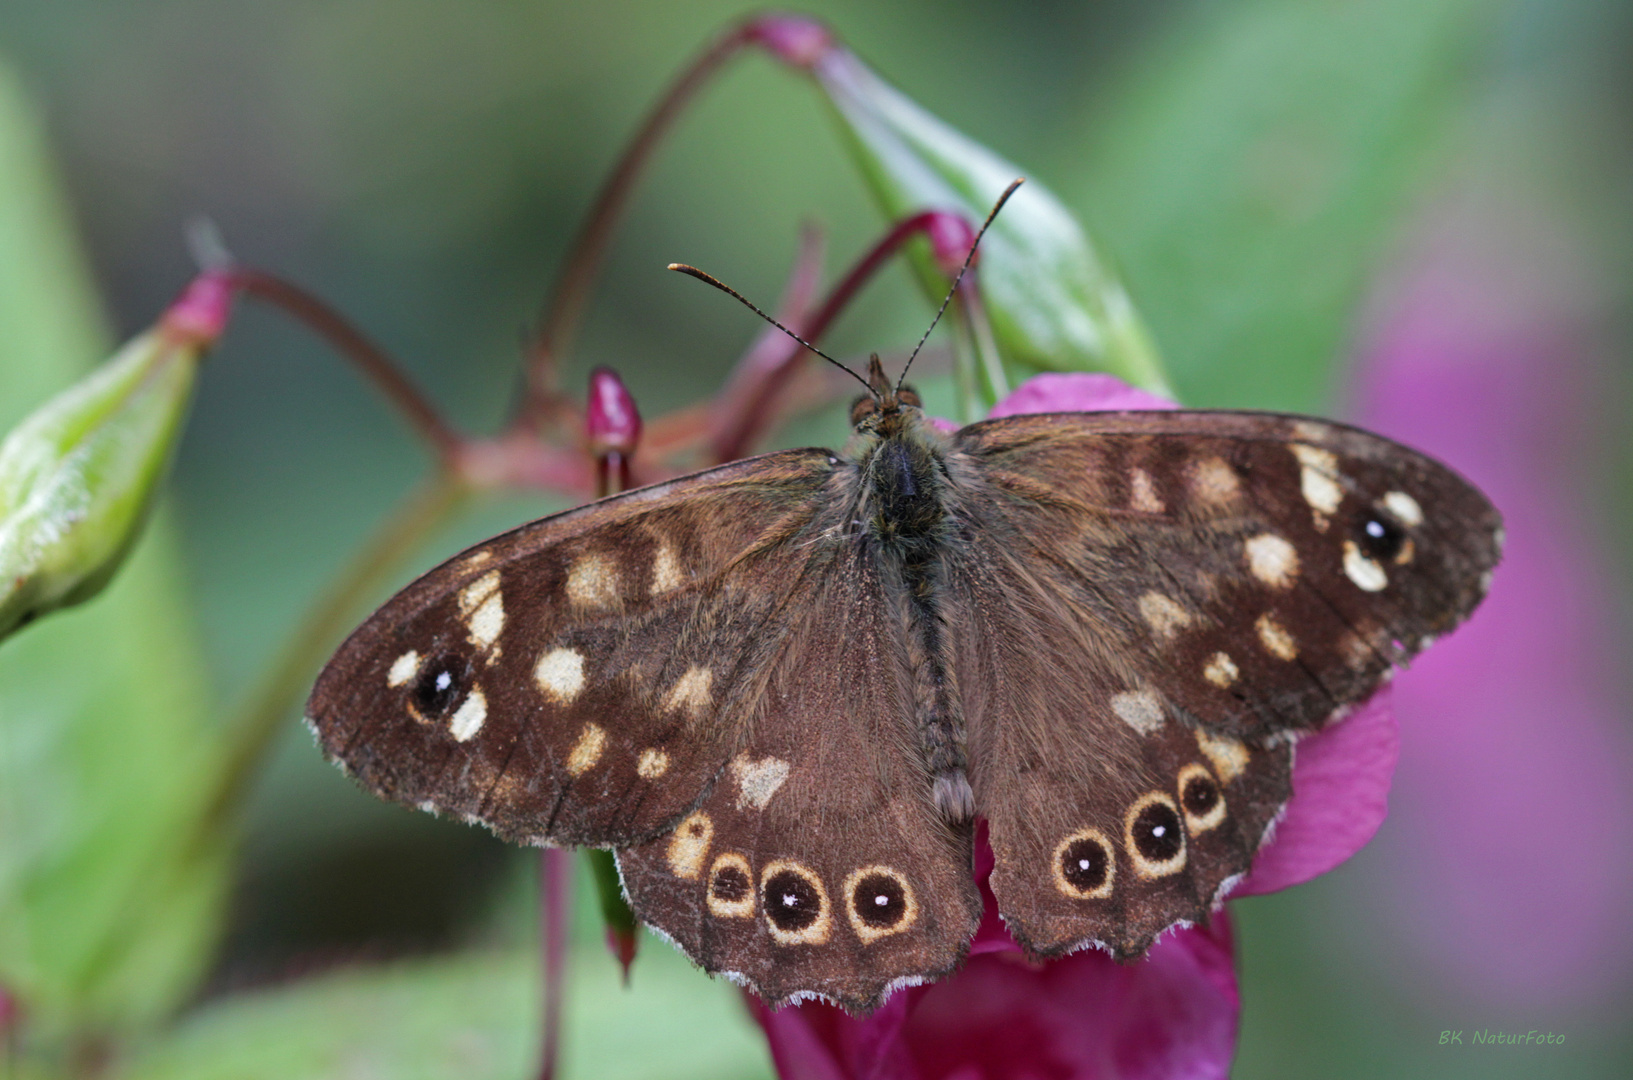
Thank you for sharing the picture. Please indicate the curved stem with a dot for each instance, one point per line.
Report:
(373, 361)
(566, 305)
(736, 437)
(262, 716)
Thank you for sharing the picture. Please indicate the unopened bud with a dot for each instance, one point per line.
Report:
(611, 419)
(951, 236)
(794, 39)
(78, 476)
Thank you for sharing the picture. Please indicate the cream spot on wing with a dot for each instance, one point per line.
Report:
(593, 581)
(1366, 573)
(1404, 507)
(1229, 757)
(1139, 709)
(731, 886)
(1273, 560)
(1275, 638)
(1166, 617)
(469, 717)
(1318, 480)
(403, 669)
(1143, 493)
(666, 572)
(1213, 481)
(690, 692)
(476, 593)
(1355, 651)
(1220, 670)
(477, 559)
(487, 621)
(652, 763)
(560, 674)
(758, 780)
(689, 845)
(1485, 582)
(587, 750)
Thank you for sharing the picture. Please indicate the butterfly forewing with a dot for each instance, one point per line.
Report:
(584, 678)
(1148, 607)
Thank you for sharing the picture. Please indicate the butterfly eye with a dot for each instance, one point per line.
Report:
(862, 407)
(1380, 536)
(909, 396)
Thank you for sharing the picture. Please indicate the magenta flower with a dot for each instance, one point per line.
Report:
(1171, 1015)
(1506, 870)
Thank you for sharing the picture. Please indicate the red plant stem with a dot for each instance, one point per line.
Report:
(555, 900)
(735, 439)
(584, 257)
(375, 363)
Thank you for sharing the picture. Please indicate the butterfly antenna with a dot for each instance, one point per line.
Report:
(997, 206)
(723, 287)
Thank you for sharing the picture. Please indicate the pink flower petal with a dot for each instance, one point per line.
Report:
(1341, 778)
(1077, 393)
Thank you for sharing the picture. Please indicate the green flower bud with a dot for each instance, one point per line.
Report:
(78, 476)
(1054, 305)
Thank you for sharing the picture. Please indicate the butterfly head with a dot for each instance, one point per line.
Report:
(886, 407)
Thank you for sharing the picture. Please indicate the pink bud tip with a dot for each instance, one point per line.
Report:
(11, 1011)
(200, 314)
(794, 39)
(621, 943)
(951, 237)
(611, 419)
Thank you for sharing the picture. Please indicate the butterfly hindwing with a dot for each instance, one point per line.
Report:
(1149, 608)
(581, 679)
(818, 863)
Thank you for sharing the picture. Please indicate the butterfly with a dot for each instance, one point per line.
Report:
(784, 689)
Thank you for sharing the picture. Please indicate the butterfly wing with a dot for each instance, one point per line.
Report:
(818, 865)
(584, 678)
(1147, 608)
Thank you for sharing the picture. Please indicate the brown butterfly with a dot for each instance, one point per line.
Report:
(784, 689)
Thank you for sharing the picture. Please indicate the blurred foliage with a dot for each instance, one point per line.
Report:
(111, 888)
(1244, 166)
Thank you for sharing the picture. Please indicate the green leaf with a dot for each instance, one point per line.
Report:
(110, 887)
(1054, 303)
(473, 1017)
(1248, 170)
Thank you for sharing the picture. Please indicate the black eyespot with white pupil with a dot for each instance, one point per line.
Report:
(730, 885)
(1380, 536)
(440, 686)
(1200, 796)
(1158, 834)
(1085, 864)
(791, 902)
(879, 901)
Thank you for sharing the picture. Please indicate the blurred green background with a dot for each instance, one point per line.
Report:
(1254, 169)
